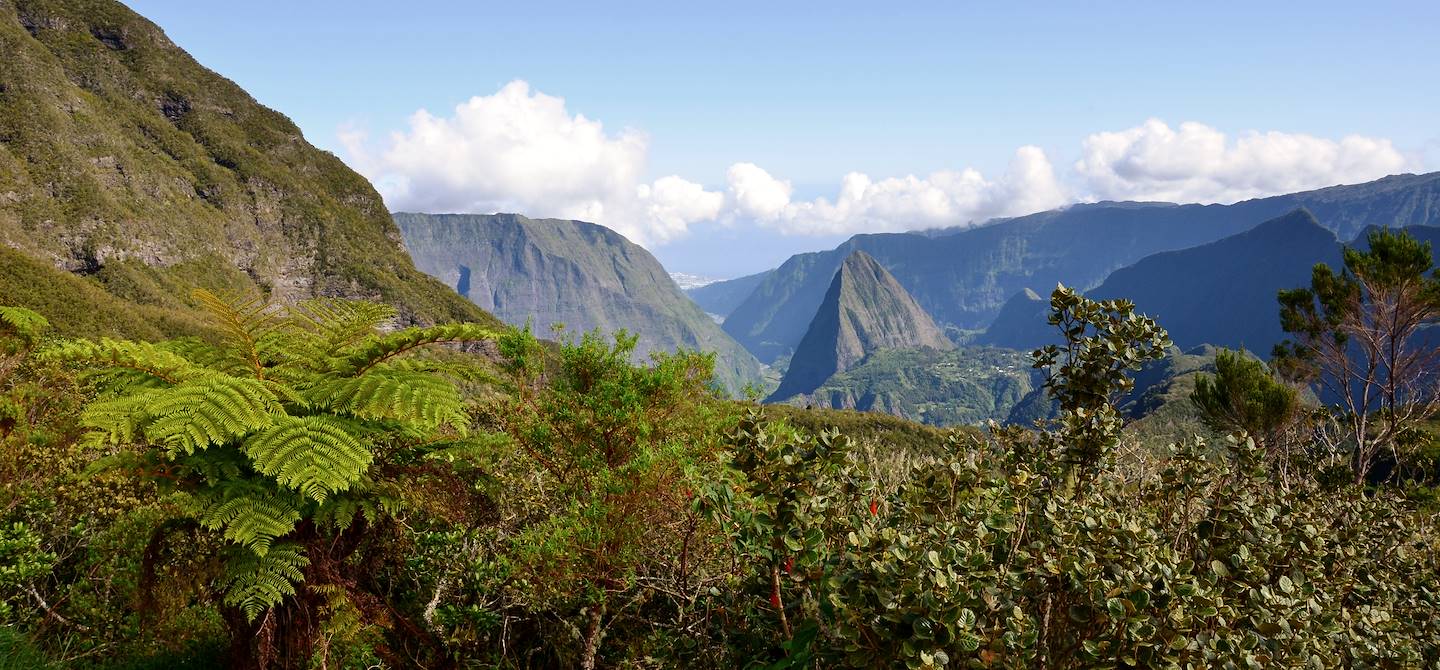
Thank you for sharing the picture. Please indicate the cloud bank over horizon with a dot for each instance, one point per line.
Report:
(520, 150)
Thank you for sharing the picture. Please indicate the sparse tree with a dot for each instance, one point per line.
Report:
(1361, 336)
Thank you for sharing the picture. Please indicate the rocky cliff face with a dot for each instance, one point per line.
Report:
(585, 276)
(118, 150)
(865, 310)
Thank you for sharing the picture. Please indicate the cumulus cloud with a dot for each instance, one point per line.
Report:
(1197, 163)
(522, 151)
(864, 204)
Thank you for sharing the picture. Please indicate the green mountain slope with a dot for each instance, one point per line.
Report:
(580, 274)
(865, 310)
(125, 161)
(1021, 323)
(722, 297)
(940, 388)
(962, 278)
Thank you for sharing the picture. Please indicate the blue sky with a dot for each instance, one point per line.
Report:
(807, 93)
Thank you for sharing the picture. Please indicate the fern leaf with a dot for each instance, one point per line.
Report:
(421, 399)
(381, 349)
(210, 410)
(118, 420)
(140, 357)
(22, 323)
(253, 518)
(333, 324)
(244, 321)
(314, 455)
(255, 582)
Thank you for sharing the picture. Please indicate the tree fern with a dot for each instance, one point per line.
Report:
(315, 455)
(270, 437)
(254, 582)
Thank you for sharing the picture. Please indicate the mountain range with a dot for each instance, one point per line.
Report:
(963, 277)
(582, 275)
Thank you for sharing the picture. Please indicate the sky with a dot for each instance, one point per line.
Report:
(725, 137)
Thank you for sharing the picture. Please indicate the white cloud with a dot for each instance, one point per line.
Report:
(1197, 163)
(522, 151)
(899, 203)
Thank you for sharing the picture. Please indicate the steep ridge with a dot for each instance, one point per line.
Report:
(125, 161)
(865, 310)
(580, 274)
(963, 277)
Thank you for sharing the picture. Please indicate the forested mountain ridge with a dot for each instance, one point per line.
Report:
(963, 277)
(865, 310)
(580, 274)
(124, 160)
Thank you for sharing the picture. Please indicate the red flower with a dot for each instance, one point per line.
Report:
(874, 508)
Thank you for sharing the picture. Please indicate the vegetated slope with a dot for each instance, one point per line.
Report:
(865, 310)
(117, 148)
(722, 297)
(962, 278)
(939, 388)
(583, 275)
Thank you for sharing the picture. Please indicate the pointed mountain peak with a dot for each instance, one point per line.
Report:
(865, 310)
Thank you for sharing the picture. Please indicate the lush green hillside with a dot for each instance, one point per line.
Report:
(722, 297)
(962, 278)
(118, 149)
(940, 388)
(582, 275)
(865, 310)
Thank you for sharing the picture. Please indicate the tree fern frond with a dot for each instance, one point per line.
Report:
(22, 323)
(244, 321)
(255, 582)
(251, 517)
(335, 324)
(314, 455)
(118, 420)
(340, 511)
(422, 399)
(141, 357)
(381, 349)
(210, 410)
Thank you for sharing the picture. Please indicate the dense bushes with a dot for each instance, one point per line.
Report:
(309, 490)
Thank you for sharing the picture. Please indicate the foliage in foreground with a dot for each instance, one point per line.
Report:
(559, 508)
